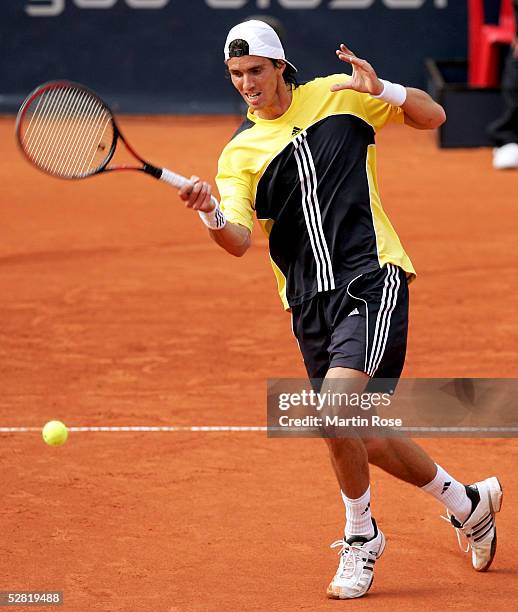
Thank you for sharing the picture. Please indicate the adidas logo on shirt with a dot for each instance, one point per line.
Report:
(295, 131)
(354, 312)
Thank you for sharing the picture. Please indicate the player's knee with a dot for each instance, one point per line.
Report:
(337, 446)
(376, 449)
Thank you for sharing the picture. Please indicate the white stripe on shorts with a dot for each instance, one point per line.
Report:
(382, 329)
(366, 319)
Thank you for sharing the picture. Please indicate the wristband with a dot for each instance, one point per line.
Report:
(392, 93)
(215, 219)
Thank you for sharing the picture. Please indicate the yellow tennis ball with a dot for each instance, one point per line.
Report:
(55, 433)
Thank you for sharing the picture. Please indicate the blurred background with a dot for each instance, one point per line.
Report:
(167, 55)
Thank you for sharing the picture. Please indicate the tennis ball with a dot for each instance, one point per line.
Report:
(55, 433)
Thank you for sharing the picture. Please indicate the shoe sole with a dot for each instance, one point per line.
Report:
(334, 594)
(496, 496)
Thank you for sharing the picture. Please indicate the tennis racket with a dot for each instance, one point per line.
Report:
(66, 130)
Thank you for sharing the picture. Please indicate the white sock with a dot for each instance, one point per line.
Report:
(451, 493)
(358, 520)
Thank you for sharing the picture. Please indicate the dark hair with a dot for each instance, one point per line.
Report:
(239, 47)
(289, 75)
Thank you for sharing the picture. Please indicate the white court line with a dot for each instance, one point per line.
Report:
(143, 428)
(243, 428)
(458, 429)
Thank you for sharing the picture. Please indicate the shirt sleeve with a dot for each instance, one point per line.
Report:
(235, 192)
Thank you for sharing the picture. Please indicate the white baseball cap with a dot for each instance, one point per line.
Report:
(261, 38)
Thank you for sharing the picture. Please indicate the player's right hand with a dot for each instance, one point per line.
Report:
(197, 194)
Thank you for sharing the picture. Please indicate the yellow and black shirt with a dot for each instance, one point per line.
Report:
(310, 177)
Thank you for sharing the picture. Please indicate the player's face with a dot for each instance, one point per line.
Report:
(256, 79)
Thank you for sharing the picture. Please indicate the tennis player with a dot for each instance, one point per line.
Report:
(304, 163)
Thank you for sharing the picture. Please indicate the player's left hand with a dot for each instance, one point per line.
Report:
(364, 78)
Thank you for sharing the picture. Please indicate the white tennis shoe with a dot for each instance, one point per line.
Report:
(479, 528)
(355, 571)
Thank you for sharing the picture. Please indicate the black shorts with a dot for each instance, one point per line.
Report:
(362, 326)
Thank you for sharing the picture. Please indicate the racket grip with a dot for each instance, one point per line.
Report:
(176, 180)
(179, 181)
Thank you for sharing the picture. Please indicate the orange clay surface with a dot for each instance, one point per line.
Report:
(116, 309)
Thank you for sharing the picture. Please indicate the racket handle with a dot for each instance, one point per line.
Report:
(179, 181)
(176, 180)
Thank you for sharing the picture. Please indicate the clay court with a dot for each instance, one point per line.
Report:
(117, 310)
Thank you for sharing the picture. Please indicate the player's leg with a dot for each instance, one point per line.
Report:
(359, 319)
(402, 458)
(348, 455)
(311, 327)
(378, 334)
(472, 507)
(373, 339)
(363, 542)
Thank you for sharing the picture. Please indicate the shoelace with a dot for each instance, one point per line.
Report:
(350, 558)
(458, 532)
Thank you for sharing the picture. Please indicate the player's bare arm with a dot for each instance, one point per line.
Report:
(421, 112)
(234, 238)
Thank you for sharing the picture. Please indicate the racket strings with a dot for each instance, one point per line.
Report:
(69, 132)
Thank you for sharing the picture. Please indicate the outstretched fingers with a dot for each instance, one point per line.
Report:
(355, 62)
(345, 54)
(345, 49)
